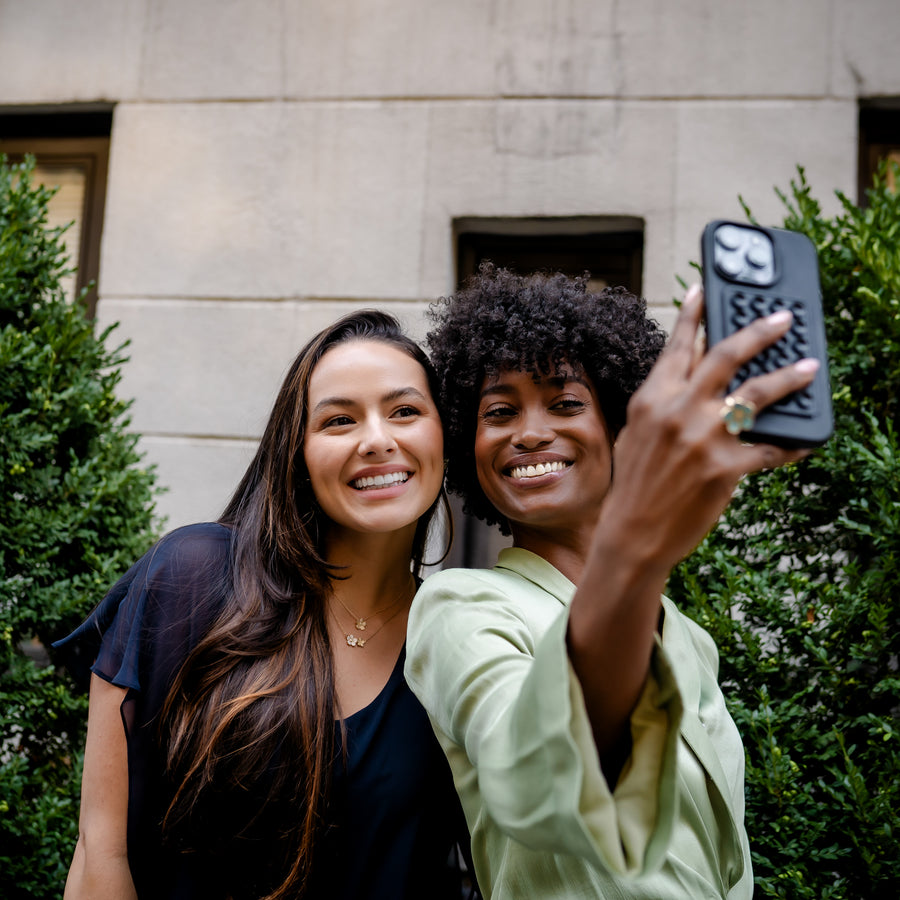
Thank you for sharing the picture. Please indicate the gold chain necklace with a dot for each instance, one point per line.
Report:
(354, 641)
(362, 623)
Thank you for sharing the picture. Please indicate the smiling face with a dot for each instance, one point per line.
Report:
(374, 443)
(542, 450)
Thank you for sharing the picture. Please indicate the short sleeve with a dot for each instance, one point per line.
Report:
(149, 618)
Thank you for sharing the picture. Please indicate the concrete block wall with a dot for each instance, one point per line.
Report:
(275, 163)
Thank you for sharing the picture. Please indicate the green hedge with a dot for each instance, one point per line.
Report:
(800, 587)
(77, 508)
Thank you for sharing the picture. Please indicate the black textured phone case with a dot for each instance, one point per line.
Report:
(733, 300)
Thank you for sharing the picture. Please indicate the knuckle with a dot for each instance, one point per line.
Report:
(728, 353)
(640, 403)
(770, 457)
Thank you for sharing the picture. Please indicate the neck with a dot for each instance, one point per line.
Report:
(565, 549)
(374, 568)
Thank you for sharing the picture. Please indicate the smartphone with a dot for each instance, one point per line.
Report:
(748, 272)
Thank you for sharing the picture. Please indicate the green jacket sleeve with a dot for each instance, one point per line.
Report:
(486, 655)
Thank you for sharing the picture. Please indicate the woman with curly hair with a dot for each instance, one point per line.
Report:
(250, 733)
(578, 707)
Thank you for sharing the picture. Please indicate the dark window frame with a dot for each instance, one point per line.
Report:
(879, 136)
(611, 248)
(65, 139)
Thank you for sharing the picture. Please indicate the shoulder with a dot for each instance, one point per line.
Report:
(178, 577)
(186, 568)
(186, 554)
(165, 599)
(471, 584)
(457, 593)
(449, 580)
(194, 544)
(466, 608)
(521, 586)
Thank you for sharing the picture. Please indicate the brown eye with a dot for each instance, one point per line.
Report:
(337, 421)
(496, 413)
(569, 404)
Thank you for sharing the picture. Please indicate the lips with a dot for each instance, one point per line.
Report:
(371, 482)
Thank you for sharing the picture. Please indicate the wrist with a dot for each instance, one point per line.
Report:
(624, 549)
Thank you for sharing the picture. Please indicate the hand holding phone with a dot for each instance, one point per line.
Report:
(750, 272)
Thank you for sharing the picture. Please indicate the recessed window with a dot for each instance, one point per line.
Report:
(71, 151)
(879, 138)
(611, 248)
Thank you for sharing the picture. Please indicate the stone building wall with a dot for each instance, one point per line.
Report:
(275, 163)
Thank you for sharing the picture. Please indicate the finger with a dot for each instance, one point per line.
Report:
(677, 358)
(722, 362)
(757, 457)
(700, 347)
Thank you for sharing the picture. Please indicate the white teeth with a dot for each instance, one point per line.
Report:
(539, 469)
(377, 481)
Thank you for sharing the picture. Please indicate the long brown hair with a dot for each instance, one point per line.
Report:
(259, 686)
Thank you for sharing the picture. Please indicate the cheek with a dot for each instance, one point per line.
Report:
(481, 446)
(309, 458)
(431, 456)
(436, 443)
(317, 464)
(484, 469)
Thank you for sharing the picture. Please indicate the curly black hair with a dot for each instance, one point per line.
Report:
(535, 323)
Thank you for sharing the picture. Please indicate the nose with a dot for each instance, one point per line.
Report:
(533, 430)
(376, 438)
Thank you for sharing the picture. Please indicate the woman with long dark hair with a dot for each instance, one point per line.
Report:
(250, 732)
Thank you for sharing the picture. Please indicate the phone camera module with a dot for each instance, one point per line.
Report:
(744, 254)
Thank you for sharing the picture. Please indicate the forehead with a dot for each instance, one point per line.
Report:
(355, 367)
(554, 377)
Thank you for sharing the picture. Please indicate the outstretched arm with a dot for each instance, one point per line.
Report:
(676, 468)
(99, 869)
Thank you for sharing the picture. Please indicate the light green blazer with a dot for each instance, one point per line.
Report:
(486, 655)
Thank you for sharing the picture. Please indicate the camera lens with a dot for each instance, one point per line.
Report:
(729, 237)
(731, 264)
(759, 254)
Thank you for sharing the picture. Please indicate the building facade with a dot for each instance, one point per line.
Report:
(272, 164)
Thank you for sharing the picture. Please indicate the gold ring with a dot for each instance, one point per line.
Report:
(738, 414)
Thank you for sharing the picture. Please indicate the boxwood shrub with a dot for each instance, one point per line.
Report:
(800, 586)
(77, 508)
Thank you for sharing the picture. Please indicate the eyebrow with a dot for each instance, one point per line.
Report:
(504, 390)
(403, 393)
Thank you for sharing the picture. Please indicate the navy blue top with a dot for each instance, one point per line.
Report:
(393, 817)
